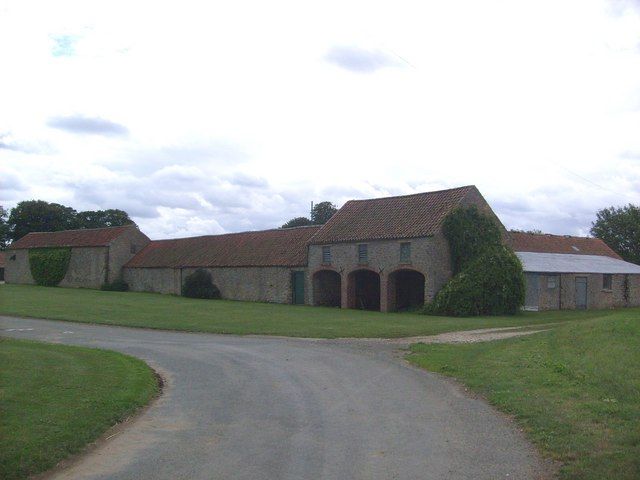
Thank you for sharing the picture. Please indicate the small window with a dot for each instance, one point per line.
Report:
(607, 281)
(552, 282)
(134, 249)
(326, 255)
(363, 253)
(405, 252)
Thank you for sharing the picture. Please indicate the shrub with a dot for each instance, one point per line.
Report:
(49, 265)
(492, 284)
(199, 285)
(469, 233)
(118, 285)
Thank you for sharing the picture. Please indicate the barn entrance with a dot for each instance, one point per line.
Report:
(406, 289)
(364, 290)
(326, 288)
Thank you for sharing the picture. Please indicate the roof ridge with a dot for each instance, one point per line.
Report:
(83, 229)
(464, 187)
(228, 234)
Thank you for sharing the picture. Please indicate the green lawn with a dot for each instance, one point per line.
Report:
(222, 316)
(54, 399)
(574, 389)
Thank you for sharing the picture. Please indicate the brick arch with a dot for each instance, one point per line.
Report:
(327, 287)
(363, 289)
(405, 289)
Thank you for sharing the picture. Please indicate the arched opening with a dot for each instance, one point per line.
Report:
(326, 288)
(405, 290)
(364, 290)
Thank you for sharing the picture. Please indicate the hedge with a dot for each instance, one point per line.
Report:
(49, 265)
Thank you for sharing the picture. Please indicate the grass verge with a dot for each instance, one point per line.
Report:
(223, 316)
(54, 399)
(574, 389)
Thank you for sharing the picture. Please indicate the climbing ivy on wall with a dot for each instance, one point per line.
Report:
(49, 265)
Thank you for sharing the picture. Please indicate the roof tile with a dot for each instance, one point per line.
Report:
(285, 247)
(406, 216)
(90, 237)
(547, 243)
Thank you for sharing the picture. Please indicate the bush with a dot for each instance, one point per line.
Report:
(199, 285)
(118, 285)
(492, 284)
(49, 265)
(469, 233)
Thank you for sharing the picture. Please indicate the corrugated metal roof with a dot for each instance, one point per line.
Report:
(89, 237)
(570, 263)
(286, 247)
(406, 216)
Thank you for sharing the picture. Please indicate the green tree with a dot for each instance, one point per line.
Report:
(619, 227)
(40, 216)
(103, 218)
(322, 212)
(297, 222)
(4, 228)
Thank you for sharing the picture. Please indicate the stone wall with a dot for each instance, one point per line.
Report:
(429, 256)
(256, 284)
(87, 267)
(123, 248)
(563, 295)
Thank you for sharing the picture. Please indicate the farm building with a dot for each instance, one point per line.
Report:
(565, 272)
(380, 254)
(97, 255)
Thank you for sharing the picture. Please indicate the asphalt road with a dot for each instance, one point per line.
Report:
(276, 408)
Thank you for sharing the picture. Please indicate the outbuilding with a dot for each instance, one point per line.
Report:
(97, 255)
(566, 272)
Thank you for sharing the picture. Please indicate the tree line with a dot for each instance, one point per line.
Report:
(40, 216)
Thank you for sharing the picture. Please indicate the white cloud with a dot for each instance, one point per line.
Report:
(235, 119)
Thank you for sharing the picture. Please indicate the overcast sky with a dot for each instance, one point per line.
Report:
(210, 117)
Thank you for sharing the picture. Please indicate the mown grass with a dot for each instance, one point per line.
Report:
(55, 399)
(575, 389)
(222, 316)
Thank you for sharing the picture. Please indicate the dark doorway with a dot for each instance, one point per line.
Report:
(364, 290)
(406, 290)
(297, 285)
(327, 286)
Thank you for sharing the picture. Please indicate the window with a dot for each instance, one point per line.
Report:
(363, 253)
(133, 248)
(405, 252)
(607, 281)
(552, 281)
(326, 254)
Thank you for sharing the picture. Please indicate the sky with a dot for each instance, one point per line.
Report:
(210, 117)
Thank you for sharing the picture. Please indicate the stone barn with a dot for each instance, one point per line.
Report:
(262, 266)
(565, 272)
(2, 260)
(97, 255)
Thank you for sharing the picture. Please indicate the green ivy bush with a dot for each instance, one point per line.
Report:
(49, 265)
(118, 285)
(469, 233)
(492, 284)
(200, 285)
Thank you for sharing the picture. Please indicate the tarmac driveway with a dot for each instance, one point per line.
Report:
(273, 408)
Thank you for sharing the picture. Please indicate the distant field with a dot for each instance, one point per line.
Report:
(223, 316)
(55, 399)
(574, 389)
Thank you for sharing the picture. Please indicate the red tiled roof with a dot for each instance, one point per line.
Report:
(90, 237)
(407, 216)
(285, 247)
(2, 259)
(547, 243)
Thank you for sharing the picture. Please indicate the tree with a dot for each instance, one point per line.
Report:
(103, 218)
(4, 228)
(322, 212)
(297, 222)
(619, 227)
(40, 216)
